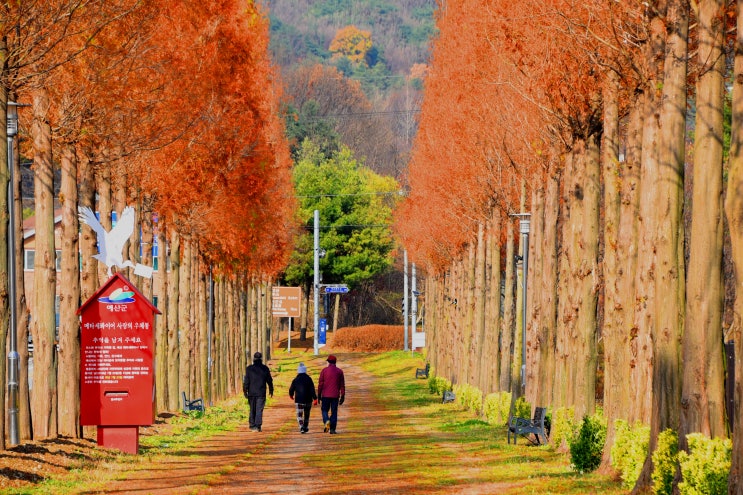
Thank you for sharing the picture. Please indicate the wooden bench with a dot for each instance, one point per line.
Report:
(423, 372)
(192, 405)
(525, 427)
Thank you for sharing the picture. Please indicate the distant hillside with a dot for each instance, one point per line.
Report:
(401, 29)
(302, 32)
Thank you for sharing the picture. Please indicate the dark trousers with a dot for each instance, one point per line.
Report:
(256, 410)
(303, 415)
(330, 406)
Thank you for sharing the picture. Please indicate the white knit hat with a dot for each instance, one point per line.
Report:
(301, 368)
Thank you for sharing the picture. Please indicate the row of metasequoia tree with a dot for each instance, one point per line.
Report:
(606, 122)
(172, 107)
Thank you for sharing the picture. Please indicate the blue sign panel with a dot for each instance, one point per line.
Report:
(336, 289)
(322, 330)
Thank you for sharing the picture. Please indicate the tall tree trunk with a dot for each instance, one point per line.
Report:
(161, 323)
(105, 207)
(197, 310)
(146, 206)
(185, 335)
(548, 287)
(585, 398)
(204, 336)
(218, 333)
(456, 319)
(479, 317)
(734, 212)
(254, 291)
(534, 364)
(493, 322)
(565, 309)
(174, 325)
(468, 300)
(23, 314)
(620, 256)
(88, 241)
(579, 299)
(69, 323)
(119, 202)
(669, 267)
(336, 308)
(644, 320)
(509, 318)
(703, 389)
(43, 322)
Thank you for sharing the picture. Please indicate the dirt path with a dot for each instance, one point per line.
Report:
(275, 460)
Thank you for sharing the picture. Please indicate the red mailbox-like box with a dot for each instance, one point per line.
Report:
(117, 387)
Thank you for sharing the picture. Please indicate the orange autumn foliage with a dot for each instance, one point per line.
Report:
(501, 106)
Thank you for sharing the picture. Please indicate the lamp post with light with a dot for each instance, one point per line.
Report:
(13, 356)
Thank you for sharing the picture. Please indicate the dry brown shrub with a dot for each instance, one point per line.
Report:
(369, 338)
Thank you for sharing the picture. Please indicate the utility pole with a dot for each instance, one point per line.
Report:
(316, 282)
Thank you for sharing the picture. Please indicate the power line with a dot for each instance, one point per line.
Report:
(361, 114)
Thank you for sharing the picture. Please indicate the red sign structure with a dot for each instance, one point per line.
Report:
(116, 363)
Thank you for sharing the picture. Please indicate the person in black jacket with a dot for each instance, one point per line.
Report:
(257, 376)
(302, 390)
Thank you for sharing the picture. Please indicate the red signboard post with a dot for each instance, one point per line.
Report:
(116, 363)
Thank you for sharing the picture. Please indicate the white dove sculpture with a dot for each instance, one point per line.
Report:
(111, 243)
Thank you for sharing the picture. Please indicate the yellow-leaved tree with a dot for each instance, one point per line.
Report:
(352, 43)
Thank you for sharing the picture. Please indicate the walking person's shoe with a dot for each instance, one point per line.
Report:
(333, 432)
(327, 426)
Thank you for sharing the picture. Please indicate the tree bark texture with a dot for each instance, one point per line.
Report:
(44, 393)
(69, 322)
(703, 389)
(173, 323)
(734, 212)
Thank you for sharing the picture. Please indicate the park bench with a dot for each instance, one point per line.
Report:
(192, 405)
(526, 427)
(448, 397)
(423, 372)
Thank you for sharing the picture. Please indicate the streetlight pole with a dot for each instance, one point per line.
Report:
(524, 230)
(13, 356)
(316, 282)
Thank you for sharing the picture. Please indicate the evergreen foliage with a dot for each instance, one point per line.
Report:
(705, 468)
(438, 385)
(586, 447)
(354, 216)
(629, 450)
(563, 425)
(665, 461)
(469, 396)
(496, 406)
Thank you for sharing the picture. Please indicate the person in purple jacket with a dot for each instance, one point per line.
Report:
(331, 389)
